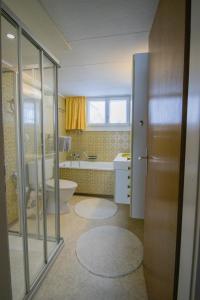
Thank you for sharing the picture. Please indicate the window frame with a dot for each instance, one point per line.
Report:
(108, 125)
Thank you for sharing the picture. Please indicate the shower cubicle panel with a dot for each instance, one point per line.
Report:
(10, 100)
(32, 150)
(49, 109)
(29, 97)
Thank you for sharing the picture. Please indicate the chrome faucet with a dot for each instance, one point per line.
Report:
(85, 154)
(90, 157)
(76, 156)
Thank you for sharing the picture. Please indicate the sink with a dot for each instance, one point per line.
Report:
(126, 155)
(122, 161)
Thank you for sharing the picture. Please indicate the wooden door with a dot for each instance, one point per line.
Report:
(168, 83)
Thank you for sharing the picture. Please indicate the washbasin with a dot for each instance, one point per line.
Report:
(122, 161)
(126, 155)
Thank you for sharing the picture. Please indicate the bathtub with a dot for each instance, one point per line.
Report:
(87, 165)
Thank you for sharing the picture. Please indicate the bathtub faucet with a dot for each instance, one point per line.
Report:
(85, 154)
(76, 156)
(90, 157)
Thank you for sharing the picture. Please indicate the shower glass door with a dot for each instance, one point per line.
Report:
(32, 152)
(10, 97)
(30, 125)
(49, 100)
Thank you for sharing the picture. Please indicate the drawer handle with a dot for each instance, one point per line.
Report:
(128, 196)
(129, 168)
(129, 177)
(128, 186)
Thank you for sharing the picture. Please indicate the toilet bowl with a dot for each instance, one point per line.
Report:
(66, 188)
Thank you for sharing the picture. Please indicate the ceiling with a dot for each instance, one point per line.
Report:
(94, 40)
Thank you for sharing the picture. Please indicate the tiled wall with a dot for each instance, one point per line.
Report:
(10, 142)
(91, 181)
(8, 83)
(61, 121)
(105, 145)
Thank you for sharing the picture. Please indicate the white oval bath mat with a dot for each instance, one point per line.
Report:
(109, 251)
(96, 208)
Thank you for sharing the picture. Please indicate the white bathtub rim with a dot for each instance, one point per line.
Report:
(87, 165)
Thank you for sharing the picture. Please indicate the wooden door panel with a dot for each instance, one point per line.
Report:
(167, 101)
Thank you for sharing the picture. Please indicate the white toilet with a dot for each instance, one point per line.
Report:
(66, 187)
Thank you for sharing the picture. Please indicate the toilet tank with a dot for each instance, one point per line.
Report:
(35, 171)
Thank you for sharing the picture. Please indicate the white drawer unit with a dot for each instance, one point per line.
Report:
(122, 168)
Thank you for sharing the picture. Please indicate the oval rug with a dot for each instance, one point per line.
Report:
(109, 251)
(96, 208)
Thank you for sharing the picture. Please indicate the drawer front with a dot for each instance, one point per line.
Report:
(122, 166)
(122, 186)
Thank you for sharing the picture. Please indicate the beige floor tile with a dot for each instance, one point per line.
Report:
(68, 280)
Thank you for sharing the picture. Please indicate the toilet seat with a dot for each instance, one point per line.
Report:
(63, 184)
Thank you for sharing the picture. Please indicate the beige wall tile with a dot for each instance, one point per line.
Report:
(91, 181)
(104, 144)
(61, 122)
(9, 126)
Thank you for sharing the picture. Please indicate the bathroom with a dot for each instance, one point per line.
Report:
(68, 172)
(74, 132)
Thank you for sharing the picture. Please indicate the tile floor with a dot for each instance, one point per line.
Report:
(68, 280)
(17, 262)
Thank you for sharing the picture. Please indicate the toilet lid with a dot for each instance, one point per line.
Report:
(64, 184)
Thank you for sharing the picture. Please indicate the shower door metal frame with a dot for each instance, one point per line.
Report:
(43, 156)
(56, 133)
(48, 261)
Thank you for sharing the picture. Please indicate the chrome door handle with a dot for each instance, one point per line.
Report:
(142, 157)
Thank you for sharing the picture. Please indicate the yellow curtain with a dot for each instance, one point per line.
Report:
(75, 113)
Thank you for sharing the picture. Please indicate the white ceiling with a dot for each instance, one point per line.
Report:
(103, 35)
(40, 25)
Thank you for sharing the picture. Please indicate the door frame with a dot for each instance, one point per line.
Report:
(189, 268)
(5, 275)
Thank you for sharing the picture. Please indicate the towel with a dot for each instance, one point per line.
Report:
(65, 143)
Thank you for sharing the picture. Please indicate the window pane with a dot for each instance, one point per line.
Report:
(29, 110)
(97, 112)
(118, 111)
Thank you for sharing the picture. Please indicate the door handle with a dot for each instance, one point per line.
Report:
(145, 157)
(142, 157)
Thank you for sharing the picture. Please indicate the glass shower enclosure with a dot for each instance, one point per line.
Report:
(30, 128)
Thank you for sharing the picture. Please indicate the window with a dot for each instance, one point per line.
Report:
(108, 111)
(29, 113)
(96, 112)
(118, 112)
